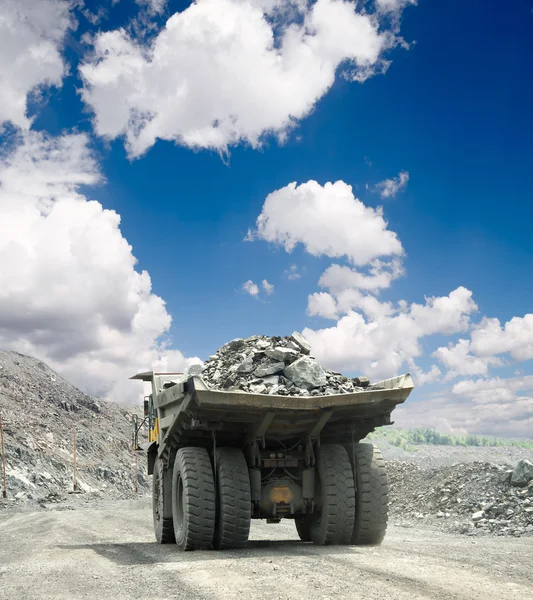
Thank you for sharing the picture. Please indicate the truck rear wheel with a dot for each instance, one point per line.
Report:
(234, 504)
(193, 499)
(371, 496)
(162, 504)
(335, 496)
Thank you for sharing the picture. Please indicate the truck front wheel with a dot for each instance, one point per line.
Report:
(193, 499)
(335, 497)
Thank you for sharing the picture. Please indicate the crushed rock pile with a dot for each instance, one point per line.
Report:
(40, 411)
(273, 365)
(471, 498)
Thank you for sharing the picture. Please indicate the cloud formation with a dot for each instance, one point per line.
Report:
(381, 345)
(328, 221)
(267, 287)
(250, 288)
(69, 290)
(515, 337)
(459, 360)
(222, 72)
(31, 39)
(390, 187)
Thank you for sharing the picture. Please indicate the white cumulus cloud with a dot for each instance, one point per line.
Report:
(507, 413)
(322, 304)
(69, 290)
(459, 360)
(494, 390)
(515, 337)
(222, 72)
(327, 220)
(31, 38)
(381, 274)
(250, 288)
(384, 344)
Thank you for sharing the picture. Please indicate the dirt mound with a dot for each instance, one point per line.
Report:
(468, 498)
(41, 411)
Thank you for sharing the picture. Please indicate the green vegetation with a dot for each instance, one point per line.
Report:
(408, 439)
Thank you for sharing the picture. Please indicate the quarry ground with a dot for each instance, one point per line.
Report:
(107, 550)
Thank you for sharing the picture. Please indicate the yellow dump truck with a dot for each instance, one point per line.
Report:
(222, 458)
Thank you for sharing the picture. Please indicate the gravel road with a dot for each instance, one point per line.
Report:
(108, 551)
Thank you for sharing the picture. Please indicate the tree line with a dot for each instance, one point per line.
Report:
(405, 437)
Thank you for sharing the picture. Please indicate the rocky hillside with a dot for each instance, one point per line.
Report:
(41, 411)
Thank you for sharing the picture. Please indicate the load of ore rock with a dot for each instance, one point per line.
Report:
(273, 365)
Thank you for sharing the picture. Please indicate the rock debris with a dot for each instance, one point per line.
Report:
(472, 499)
(274, 365)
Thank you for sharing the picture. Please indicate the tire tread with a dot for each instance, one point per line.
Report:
(338, 497)
(372, 495)
(234, 511)
(199, 499)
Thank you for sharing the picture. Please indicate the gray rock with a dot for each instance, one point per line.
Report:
(506, 476)
(270, 369)
(270, 380)
(282, 354)
(258, 389)
(247, 365)
(306, 373)
(477, 516)
(522, 474)
(235, 344)
(301, 342)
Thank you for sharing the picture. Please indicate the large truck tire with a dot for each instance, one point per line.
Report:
(334, 521)
(303, 527)
(193, 499)
(162, 504)
(371, 495)
(234, 504)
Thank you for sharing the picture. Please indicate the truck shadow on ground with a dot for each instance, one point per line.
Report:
(151, 553)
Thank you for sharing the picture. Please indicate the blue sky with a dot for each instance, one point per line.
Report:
(453, 109)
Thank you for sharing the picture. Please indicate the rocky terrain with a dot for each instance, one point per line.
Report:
(40, 412)
(471, 498)
(274, 365)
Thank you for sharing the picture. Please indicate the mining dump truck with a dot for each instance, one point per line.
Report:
(222, 458)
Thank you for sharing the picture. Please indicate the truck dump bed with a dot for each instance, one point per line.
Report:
(189, 409)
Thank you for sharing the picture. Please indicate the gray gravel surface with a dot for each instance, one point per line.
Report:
(107, 551)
